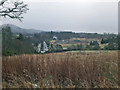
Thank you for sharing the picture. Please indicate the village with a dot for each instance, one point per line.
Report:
(43, 47)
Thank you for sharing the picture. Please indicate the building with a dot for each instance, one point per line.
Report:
(54, 38)
(42, 47)
(39, 48)
(45, 47)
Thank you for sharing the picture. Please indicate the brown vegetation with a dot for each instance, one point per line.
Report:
(65, 70)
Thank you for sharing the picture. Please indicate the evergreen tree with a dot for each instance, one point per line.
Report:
(21, 37)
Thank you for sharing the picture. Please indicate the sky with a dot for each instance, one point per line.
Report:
(70, 15)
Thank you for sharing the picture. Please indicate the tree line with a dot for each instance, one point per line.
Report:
(13, 44)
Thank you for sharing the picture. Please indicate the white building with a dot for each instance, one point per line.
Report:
(39, 48)
(44, 48)
(54, 38)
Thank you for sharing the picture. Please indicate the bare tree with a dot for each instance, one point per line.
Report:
(13, 9)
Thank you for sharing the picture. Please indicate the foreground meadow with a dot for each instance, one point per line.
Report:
(61, 70)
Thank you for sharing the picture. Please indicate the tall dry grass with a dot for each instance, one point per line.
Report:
(61, 70)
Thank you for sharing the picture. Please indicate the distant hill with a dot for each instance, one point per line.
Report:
(16, 29)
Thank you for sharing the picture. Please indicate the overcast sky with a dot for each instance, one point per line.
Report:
(76, 16)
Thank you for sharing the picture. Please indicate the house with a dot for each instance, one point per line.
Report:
(42, 47)
(45, 47)
(39, 48)
(54, 38)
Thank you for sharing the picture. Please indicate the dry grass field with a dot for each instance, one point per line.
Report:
(61, 70)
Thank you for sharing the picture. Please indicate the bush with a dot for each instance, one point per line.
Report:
(58, 48)
(9, 53)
